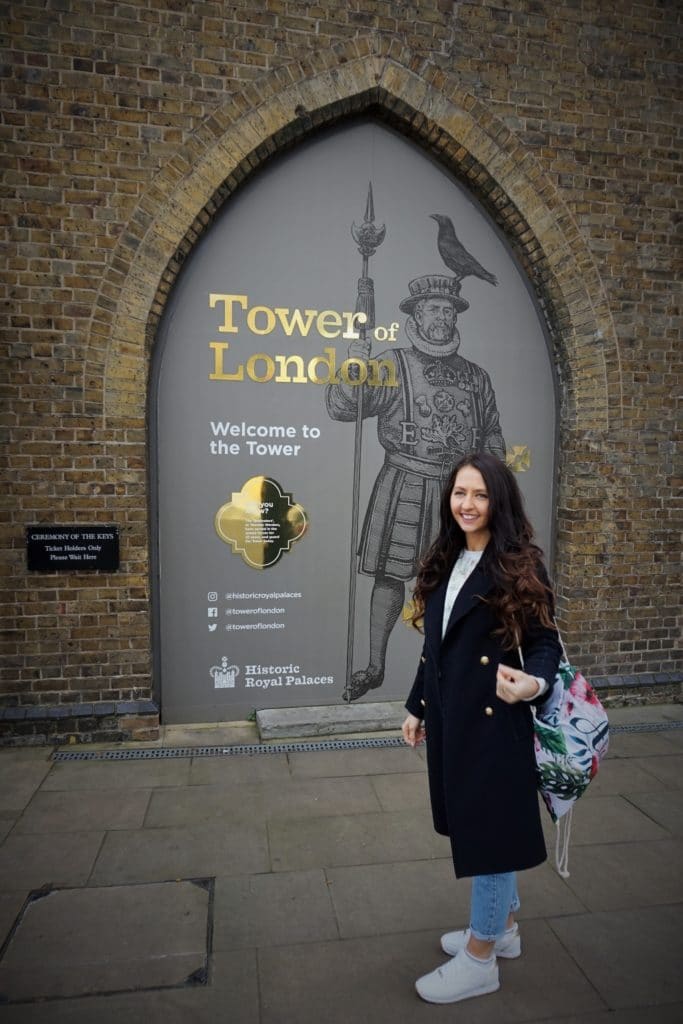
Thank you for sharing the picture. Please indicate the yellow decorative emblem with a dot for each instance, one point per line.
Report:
(518, 458)
(261, 522)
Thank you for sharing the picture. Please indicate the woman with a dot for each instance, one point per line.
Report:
(481, 594)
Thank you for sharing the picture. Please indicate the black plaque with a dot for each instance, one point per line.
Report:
(72, 548)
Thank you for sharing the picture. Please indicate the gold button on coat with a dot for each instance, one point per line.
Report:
(488, 711)
(483, 660)
(423, 659)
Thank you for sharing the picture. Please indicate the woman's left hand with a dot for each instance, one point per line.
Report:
(513, 685)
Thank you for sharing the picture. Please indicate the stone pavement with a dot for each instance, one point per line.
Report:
(307, 887)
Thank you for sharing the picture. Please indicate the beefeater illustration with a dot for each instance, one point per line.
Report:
(443, 407)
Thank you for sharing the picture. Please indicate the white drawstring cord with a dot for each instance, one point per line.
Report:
(564, 831)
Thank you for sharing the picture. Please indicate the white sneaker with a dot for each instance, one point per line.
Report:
(461, 978)
(508, 946)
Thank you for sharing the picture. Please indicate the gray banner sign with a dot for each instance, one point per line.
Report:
(326, 356)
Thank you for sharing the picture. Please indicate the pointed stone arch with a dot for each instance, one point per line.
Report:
(274, 113)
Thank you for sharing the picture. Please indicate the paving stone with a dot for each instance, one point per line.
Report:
(625, 875)
(81, 812)
(402, 792)
(262, 801)
(40, 752)
(238, 770)
(20, 777)
(84, 941)
(358, 839)
(219, 735)
(631, 956)
(605, 819)
(6, 827)
(27, 862)
(378, 899)
(156, 854)
(672, 712)
(669, 770)
(191, 806)
(98, 775)
(670, 1014)
(543, 893)
(372, 979)
(674, 739)
(232, 995)
(665, 807)
(544, 980)
(273, 910)
(366, 761)
(639, 744)
(621, 775)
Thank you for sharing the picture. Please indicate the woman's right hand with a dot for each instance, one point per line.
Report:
(413, 731)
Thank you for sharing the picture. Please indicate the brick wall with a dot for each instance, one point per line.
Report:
(126, 125)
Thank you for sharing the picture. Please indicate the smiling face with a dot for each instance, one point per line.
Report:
(435, 319)
(470, 507)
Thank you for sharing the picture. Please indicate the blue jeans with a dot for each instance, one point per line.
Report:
(493, 898)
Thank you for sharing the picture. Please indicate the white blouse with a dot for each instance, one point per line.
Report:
(464, 566)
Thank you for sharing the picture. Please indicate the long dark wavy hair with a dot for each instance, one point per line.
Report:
(511, 558)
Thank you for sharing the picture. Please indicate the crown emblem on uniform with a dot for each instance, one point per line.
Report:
(440, 374)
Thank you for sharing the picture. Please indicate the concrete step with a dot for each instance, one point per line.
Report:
(331, 720)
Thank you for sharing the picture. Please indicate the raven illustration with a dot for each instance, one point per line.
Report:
(455, 255)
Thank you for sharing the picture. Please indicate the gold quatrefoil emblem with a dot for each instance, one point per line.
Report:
(261, 522)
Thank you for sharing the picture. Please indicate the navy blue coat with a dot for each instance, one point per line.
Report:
(480, 756)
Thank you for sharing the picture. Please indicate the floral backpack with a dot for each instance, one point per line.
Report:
(571, 737)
